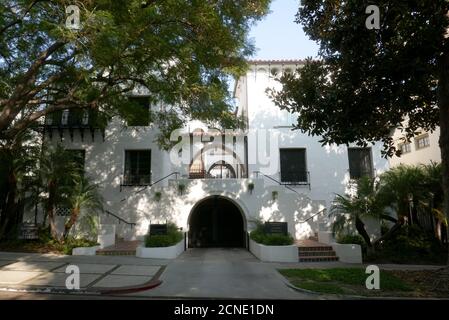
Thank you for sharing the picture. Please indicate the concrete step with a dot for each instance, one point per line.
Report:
(103, 252)
(121, 248)
(318, 259)
(316, 253)
(315, 248)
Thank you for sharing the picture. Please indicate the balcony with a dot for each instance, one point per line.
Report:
(74, 119)
(295, 178)
(135, 180)
(199, 174)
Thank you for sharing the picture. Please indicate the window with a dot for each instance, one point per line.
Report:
(293, 166)
(422, 142)
(141, 112)
(137, 167)
(405, 147)
(360, 163)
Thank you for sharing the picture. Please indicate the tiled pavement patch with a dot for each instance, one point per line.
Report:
(33, 266)
(89, 268)
(130, 270)
(51, 279)
(15, 277)
(117, 281)
(38, 274)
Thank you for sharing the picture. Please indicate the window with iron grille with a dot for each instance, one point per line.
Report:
(360, 163)
(405, 147)
(293, 166)
(140, 117)
(137, 167)
(422, 142)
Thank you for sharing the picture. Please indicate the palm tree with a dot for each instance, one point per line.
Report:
(83, 197)
(56, 169)
(402, 186)
(351, 210)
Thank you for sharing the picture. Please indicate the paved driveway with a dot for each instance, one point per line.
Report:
(222, 273)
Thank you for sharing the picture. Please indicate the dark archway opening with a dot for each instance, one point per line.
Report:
(216, 222)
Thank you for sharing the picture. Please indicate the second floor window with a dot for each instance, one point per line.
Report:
(293, 166)
(405, 147)
(360, 163)
(137, 167)
(422, 142)
(141, 112)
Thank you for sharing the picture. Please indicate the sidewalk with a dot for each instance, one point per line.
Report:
(37, 272)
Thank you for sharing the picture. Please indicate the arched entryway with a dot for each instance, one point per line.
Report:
(216, 222)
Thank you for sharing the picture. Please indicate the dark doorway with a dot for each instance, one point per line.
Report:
(216, 222)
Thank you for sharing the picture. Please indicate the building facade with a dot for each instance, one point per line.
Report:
(422, 149)
(217, 184)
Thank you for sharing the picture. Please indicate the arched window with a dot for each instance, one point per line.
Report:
(222, 170)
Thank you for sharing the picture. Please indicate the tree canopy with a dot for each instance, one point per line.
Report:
(179, 52)
(366, 82)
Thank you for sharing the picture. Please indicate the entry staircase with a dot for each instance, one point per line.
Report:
(310, 250)
(120, 248)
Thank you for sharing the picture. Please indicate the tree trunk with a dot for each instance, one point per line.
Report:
(360, 226)
(51, 211)
(443, 104)
(73, 218)
(10, 208)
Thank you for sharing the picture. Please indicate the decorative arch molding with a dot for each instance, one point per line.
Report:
(229, 196)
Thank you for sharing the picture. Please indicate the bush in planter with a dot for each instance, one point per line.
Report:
(259, 236)
(172, 237)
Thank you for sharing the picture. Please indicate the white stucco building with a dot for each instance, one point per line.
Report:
(422, 149)
(218, 184)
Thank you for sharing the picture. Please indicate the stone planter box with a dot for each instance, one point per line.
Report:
(162, 252)
(274, 253)
(85, 251)
(349, 253)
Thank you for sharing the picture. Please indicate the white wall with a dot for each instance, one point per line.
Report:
(328, 166)
(418, 156)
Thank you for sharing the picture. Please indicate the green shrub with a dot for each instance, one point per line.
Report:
(411, 244)
(259, 236)
(70, 243)
(351, 239)
(172, 237)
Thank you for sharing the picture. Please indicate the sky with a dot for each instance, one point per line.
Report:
(279, 37)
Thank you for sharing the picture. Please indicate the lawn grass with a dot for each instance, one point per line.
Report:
(344, 281)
